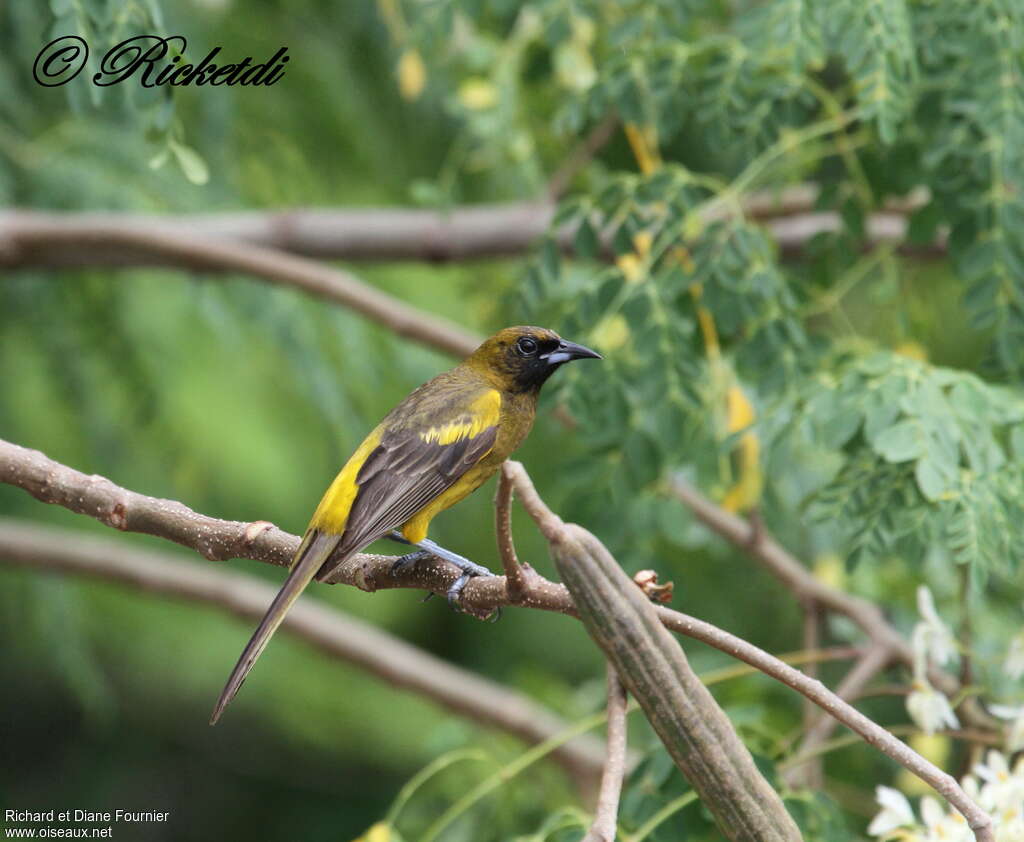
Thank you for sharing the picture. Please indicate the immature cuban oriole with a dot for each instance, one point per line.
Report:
(437, 446)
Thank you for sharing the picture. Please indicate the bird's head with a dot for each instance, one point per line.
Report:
(520, 359)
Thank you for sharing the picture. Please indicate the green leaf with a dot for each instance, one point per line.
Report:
(901, 442)
(1017, 442)
(875, 38)
(190, 161)
(586, 240)
(930, 480)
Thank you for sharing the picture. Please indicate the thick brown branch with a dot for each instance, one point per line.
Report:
(606, 815)
(45, 239)
(119, 508)
(37, 239)
(51, 482)
(330, 630)
(478, 231)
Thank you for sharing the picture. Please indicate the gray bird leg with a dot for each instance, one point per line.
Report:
(428, 548)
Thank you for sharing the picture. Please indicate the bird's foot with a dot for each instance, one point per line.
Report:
(427, 548)
(469, 569)
(407, 559)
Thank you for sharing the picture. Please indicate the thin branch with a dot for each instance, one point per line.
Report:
(863, 671)
(835, 653)
(606, 815)
(515, 575)
(869, 731)
(813, 772)
(330, 630)
(870, 664)
(762, 547)
(804, 585)
(37, 239)
(975, 738)
(51, 482)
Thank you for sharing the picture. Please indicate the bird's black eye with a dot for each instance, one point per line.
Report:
(526, 346)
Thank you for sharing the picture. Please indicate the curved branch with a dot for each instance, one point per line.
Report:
(54, 483)
(515, 575)
(29, 238)
(69, 239)
(92, 238)
(330, 630)
(821, 726)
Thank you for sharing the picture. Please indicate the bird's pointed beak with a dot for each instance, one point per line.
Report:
(567, 351)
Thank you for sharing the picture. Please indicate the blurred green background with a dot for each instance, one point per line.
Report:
(242, 400)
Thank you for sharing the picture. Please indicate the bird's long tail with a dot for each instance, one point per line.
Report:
(315, 549)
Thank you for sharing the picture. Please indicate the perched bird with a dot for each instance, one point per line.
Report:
(437, 446)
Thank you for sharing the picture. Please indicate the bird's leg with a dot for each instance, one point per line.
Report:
(429, 548)
(408, 558)
(398, 537)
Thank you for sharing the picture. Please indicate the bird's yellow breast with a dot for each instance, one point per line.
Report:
(415, 529)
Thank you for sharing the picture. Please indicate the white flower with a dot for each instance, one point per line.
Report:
(931, 812)
(1002, 795)
(929, 709)
(942, 824)
(1011, 831)
(1015, 733)
(896, 812)
(1014, 663)
(995, 769)
(995, 787)
(933, 635)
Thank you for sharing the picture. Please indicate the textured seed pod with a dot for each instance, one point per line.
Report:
(653, 667)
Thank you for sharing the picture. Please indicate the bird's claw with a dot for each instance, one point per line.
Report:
(404, 561)
(454, 594)
(429, 548)
(469, 571)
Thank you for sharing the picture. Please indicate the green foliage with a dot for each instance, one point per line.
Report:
(762, 94)
(650, 400)
(876, 43)
(930, 459)
(103, 25)
(973, 55)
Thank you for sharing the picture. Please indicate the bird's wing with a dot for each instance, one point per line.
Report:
(422, 448)
(423, 452)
